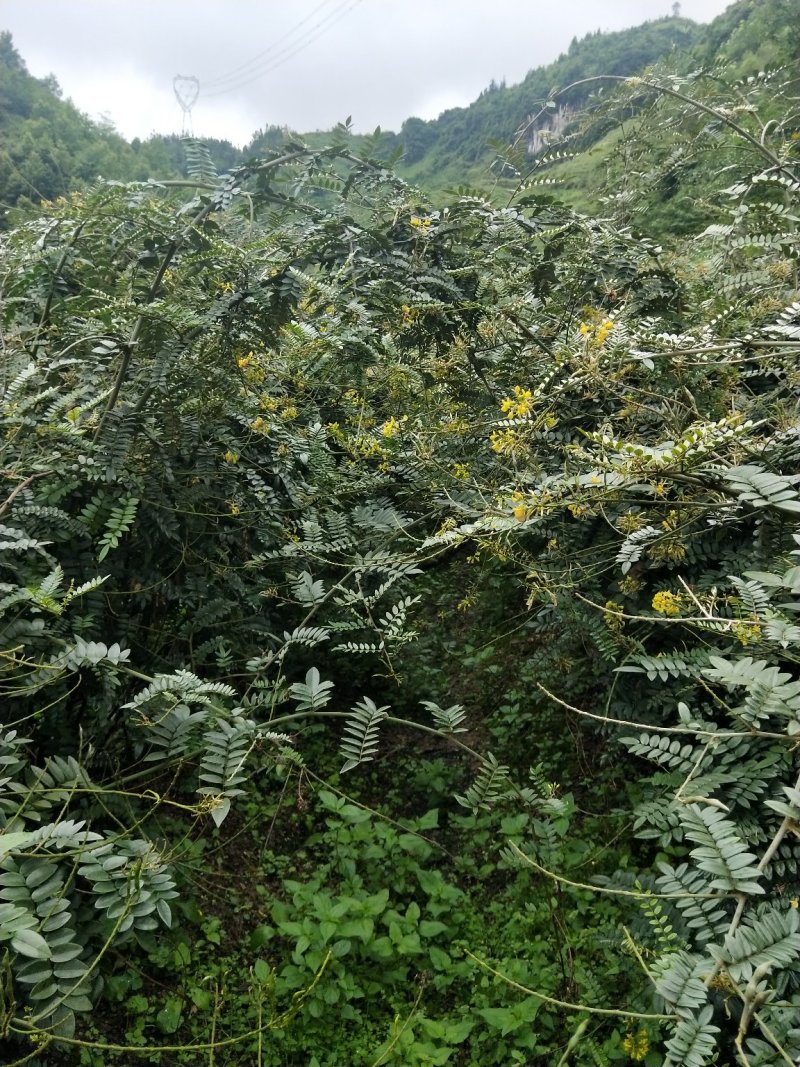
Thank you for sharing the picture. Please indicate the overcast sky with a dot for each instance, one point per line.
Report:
(306, 64)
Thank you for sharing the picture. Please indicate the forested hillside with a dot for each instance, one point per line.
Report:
(399, 594)
(448, 148)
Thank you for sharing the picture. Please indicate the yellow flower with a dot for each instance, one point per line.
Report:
(257, 424)
(461, 471)
(231, 457)
(613, 617)
(578, 511)
(629, 523)
(391, 428)
(746, 633)
(629, 585)
(245, 361)
(666, 603)
(636, 1045)
(520, 513)
(519, 405)
(600, 332)
(671, 551)
(504, 442)
(233, 507)
(603, 330)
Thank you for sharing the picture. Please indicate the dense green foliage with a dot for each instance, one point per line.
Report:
(398, 613)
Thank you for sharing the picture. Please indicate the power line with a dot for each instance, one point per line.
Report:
(220, 78)
(291, 50)
(285, 54)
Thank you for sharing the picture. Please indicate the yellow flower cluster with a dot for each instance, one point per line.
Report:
(613, 617)
(579, 511)
(629, 522)
(359, 445)
(504, 442)
(597, 334)
(746, 633)
(629, 585)
(453, 426)
(231, 457)
(252, 370)
(603, 330)
(666, 603)
(519, 405)
(418, 222)
(519, 511)
(667, 551)
(391, 428)
(636, 1045)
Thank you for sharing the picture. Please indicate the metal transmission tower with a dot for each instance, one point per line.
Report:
(187, 90)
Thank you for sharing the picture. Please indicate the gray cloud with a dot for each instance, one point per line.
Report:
(306, 64)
